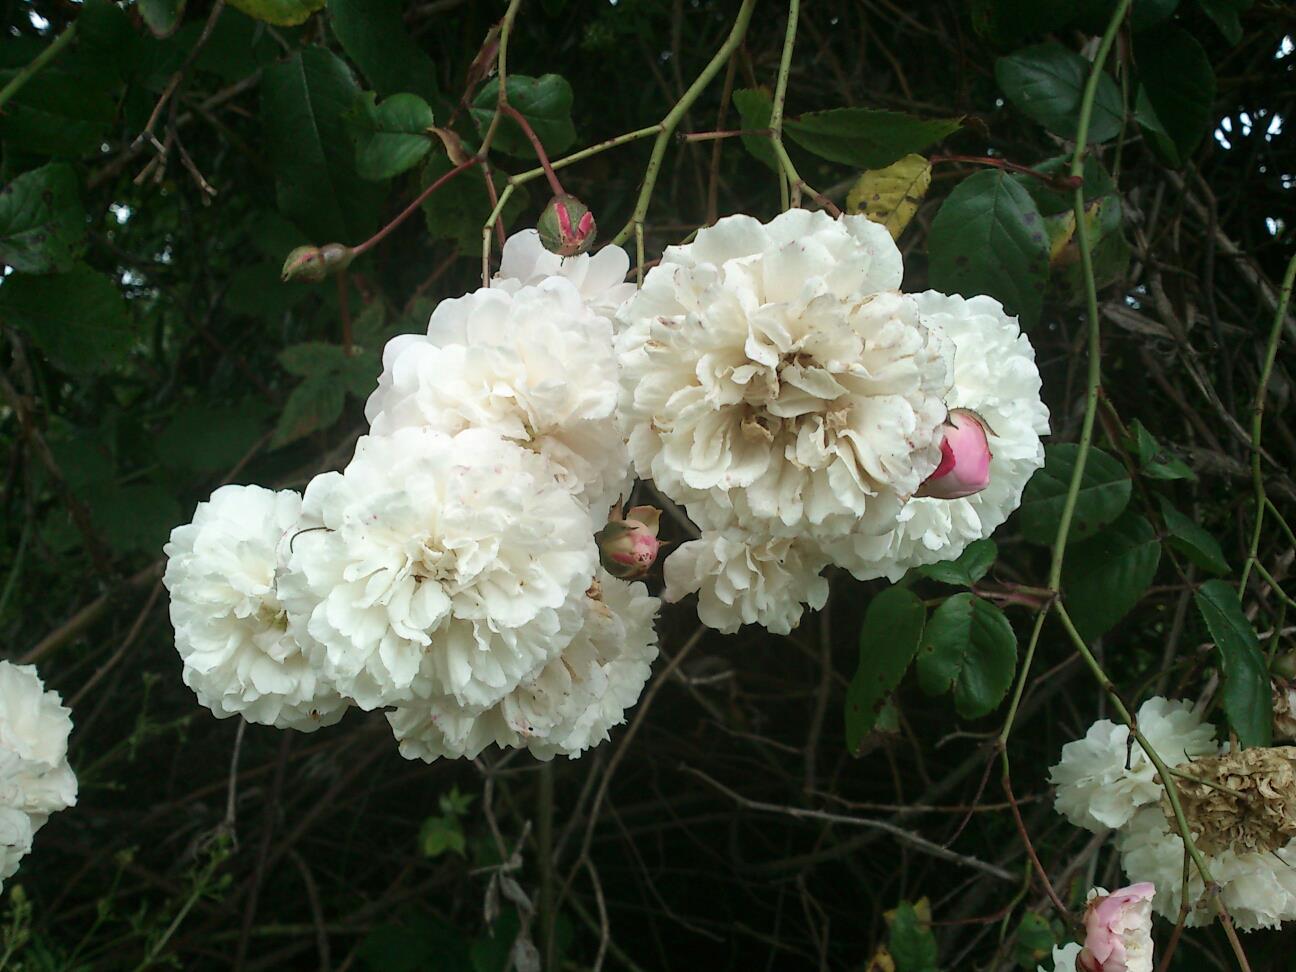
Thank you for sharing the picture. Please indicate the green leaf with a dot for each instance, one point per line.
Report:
(988, 238)
(1149, 13)
(1108, 250)
(373, 34)
(970, 566)
(1106, 575)
(424, 944)
(305, 101)
(1046, 83)
(78, 318)
(1009, 22)
(1225, 14)
(162, 16)
(135, 518)
(281, 13)
(42, 223)
(1154, 461)
(866, 138)
(1247, 695)
(393, 136)
(754, 110)
(210, 438)
(1034, 941)
(969, 648)
(1193, 541)
(458, 210)
(1052, 200)
(313, 359)
(913, 946)
(545, 102)
(441, 834)
(56, 113)
(1179, 85)
(889, 639)
(314, 405)
(1104, 494)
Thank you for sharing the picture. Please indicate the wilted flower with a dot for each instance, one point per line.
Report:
(566, 226)
(1118, 930)
(628, 547)
(1284, 709)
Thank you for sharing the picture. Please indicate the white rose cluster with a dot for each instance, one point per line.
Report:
(449, 573)
(777, 384)
(1105, 781)
(35, 778)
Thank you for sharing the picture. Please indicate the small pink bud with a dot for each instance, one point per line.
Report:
(628, 547)
(965, 458)
(566, 226)
(1118, 930)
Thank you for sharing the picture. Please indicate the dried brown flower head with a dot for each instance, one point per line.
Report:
(1244, 801)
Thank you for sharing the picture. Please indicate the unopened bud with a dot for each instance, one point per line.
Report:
(965, 458)
(311, 264)
(628, 547)
(566, 226)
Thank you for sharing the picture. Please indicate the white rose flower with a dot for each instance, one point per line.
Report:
(35, 778)
(569, 706)
(1064, 958)
(231, 629)
(995, 376)
(15, 841)
(534, 365)
(1259, 889)
(773, 374)
(741, 579)
(438, 565)
(1105, 777)
(599, 276)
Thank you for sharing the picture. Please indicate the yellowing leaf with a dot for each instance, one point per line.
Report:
(881, 961)
(891, 196)
(281, 13)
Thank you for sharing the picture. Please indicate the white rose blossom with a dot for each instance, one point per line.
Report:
(1104, 778)
(742, 579)
(996, 377)
(533, 364)
(35, 778)
(231, 629)
(1258, 888)
(773, 375)
(438, 565)
(600, 277)
(565, 709)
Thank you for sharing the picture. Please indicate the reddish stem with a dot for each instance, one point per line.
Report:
(534, 139)
(409, 210)
(1057, 181)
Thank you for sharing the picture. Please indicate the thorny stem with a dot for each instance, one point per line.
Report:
(1091, 295)
(1257, 417)
(668, 124)
(17, 82)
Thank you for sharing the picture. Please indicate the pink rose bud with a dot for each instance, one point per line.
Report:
(965, 458)
(628, 547)
(1118, 930)
(566, 226)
